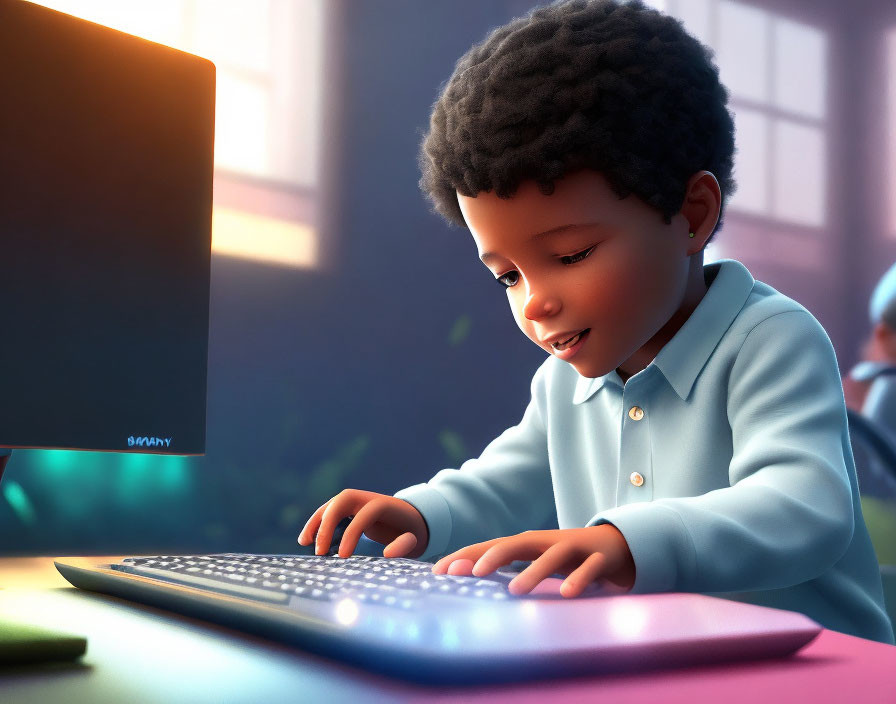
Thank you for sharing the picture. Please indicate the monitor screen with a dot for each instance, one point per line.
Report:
(106, 164)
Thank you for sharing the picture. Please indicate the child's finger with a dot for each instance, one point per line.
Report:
(503, 552)
(366, 516)
(332, 515)
(307, 533)
(441, 566)
(401, 546)
(550, 562)
(462, 567)
(584, 575)
(471, 552)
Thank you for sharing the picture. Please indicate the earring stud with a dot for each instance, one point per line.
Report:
(691, 235)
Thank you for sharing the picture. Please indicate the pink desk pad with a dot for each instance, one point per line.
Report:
(832, 669)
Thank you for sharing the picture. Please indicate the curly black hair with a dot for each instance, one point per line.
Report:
(616, 87)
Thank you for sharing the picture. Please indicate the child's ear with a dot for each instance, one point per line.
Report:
(701, 208)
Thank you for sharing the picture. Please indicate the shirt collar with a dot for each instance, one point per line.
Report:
(869, 370)
(685, 355)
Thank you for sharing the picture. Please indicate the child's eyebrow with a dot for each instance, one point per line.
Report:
(485, 257)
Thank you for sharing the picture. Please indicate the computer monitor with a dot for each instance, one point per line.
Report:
(106, 164)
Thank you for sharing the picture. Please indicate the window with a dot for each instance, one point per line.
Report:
(775, 70)
(891, 131)
(268, 55)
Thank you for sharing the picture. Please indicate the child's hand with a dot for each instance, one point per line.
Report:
(382, 518)
(585, 554)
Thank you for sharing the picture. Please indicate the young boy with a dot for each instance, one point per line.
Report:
(870, 386)
(688, 430)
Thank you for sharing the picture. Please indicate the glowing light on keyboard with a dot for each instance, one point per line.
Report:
(450, 638)
(627, 619)
(529, 609)
(347, 612)
(389, 628)
(485, 622)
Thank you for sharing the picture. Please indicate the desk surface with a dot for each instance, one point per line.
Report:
(141, 654)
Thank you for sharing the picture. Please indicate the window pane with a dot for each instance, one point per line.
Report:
(695, 16)
(234, 33)
(800, 173)
(271, 240)
(751, 162)
(891, 130)
(241, 125)
(800, 78)
(743, 48)
(296, 90)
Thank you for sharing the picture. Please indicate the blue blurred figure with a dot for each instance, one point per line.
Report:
(870, 387)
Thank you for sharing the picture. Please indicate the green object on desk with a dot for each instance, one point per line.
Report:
(22, 643)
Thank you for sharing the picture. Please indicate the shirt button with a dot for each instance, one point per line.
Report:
(636, 479)
(636, 413)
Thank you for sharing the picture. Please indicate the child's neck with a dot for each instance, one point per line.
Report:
(694, 293)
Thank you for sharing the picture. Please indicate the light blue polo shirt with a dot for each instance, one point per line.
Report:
(725, 463)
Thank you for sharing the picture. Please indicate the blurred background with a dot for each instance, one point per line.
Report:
(355, 339)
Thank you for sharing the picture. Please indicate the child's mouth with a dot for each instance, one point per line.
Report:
(571, 345)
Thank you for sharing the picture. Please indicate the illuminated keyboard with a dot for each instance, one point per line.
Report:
(395, 617)
(397, 582)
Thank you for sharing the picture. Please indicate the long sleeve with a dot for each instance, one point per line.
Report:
(788, 514)
(504, 491)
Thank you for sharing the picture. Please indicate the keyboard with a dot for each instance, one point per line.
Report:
(395, 617)
(291, 579)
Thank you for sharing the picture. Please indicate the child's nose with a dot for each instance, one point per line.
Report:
(540, 305)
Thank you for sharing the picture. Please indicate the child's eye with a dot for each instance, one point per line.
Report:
(508, 284)
(577, 257)
(568, 259)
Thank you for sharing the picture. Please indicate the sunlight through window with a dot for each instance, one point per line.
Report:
(891, 132)
(775, 70)
(268, 56)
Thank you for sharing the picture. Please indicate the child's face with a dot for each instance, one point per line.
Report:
(881, 345)
(631, 281)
